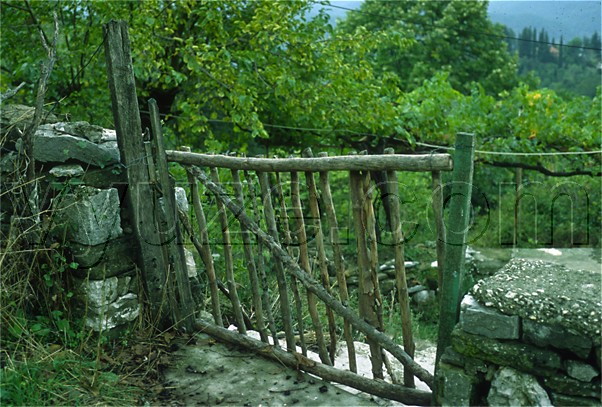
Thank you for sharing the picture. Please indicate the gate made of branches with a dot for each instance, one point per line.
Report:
(283, 213)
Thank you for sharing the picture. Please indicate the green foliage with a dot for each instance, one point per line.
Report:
(446, 36)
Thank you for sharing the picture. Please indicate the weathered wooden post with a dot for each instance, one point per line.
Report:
(140, 193)
(171, 238)
(455, 239)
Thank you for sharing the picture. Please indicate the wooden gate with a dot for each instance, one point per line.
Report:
(281, 212)
(271, 204)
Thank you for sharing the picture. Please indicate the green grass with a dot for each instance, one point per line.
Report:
(47, 355)
(61, 377)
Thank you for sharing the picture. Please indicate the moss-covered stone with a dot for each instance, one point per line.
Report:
(456, 388)
(571, 387)
(561, 400)
(518, 355)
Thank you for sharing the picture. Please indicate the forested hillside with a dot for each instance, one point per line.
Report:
(570, 67)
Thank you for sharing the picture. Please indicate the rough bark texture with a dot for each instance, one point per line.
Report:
(397, 162)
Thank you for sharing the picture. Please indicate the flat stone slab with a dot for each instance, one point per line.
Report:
(573, 258)
(52, 143)
(547, 293)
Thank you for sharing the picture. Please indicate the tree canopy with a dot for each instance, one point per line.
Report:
(235, 75)
(447, 36)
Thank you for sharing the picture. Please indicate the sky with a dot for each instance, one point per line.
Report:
(567, 18)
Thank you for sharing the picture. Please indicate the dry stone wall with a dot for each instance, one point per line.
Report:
(528, 336)
(81, 198)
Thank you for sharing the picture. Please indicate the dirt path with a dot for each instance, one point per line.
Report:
(205, 372)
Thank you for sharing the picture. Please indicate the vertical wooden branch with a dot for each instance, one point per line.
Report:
(284, 222)
(312, 301)
(322, 261)
(400, 270)
(265, 295)
(129, 138)
(205, 248)
(518, 181)
(250, 261)
(371, 239)
(28, 136)
(227, 244)
(367, 299)
(437, 189)
(268, 211)
(338, 261)
(455, 243)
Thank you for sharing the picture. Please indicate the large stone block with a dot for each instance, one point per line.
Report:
(52, 144)
(123, 310)
(100, 293)
(90, 215)
(581, 371)
(556, 336)
(515, 354)
(107, 303)
(548, 293)
(510, 387)
(571, 387)
(480, 320)
(456, 387)
(105, 260)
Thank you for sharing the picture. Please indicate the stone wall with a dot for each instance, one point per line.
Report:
(528, 336)
(81, 200)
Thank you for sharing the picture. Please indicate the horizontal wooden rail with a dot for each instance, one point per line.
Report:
(389, 162)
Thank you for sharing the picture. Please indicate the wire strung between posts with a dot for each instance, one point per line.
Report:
(509, 153)
(512, 153)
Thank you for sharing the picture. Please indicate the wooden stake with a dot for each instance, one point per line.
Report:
(312, 303)
(270, 220)
(174, 250)
(339, 264)
(439, 224)
(322, 262)
(228, 258)
(367, 298)
(288, 243)
(265, 292)
(250, 261)
(400, 270)
(205, 248)
(128, 127)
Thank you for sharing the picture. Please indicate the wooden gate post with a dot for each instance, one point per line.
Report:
(133, 156)
(455, 240)
(171, 241)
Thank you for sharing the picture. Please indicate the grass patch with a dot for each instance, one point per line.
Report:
(61, 376)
